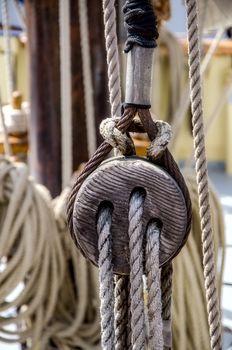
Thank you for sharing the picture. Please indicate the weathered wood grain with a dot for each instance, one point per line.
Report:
(138, 75)
(114, 181)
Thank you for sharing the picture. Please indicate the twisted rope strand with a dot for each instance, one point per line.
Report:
(112, 56)
(155, 336)
(121, 311)
(202, 177)
(136, 273)
(106, 279)
(166, 290)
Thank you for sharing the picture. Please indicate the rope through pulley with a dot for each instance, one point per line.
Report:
(125, 214)
(121, 221)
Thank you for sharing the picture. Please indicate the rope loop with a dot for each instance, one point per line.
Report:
(117, 139)
(161, 140)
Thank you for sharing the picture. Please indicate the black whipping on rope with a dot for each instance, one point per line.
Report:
(140, 23)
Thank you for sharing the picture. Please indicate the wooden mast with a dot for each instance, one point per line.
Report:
(45, 125)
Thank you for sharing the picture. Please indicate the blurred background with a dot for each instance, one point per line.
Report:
(53, 96)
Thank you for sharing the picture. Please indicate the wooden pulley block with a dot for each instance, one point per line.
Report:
(113, 182)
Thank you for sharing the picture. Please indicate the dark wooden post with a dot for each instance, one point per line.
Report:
(45, 125)
(99, 66)
(80, 149)
(45, 129)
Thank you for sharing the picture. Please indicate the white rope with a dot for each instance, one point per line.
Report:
(154, 306)
(6, 143)
(87, 80)
(58, 300)
(202, 176)
(6, 33)
(112, 56)
(135, 233)
(65, 85)
(106, 278)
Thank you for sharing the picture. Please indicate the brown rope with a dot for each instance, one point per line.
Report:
(167, 161)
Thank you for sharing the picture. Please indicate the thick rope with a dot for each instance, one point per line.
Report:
(155, 331)
(166, 290)
(202, 178)
(112, 56)
(39, 261)
(136, 237)
(6, 33)
(189, 315)
(32, 257)
(106, 278)
(121, 311)
(87, 77)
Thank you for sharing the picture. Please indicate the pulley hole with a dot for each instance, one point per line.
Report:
(140, 190)
(104, 206)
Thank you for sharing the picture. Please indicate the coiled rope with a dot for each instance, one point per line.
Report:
(55, 289)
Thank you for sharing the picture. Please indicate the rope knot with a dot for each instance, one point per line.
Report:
(161, 141)
(117, 139)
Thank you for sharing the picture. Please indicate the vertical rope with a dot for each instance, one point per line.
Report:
(112, 56)
(128, 340)
(155, 335)
(87, 77)
(136, 270)
(202, 177)
(106, 279)
(166, 290)
(6, 143)
(121, 311)
(6, 33)
(65, 85)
